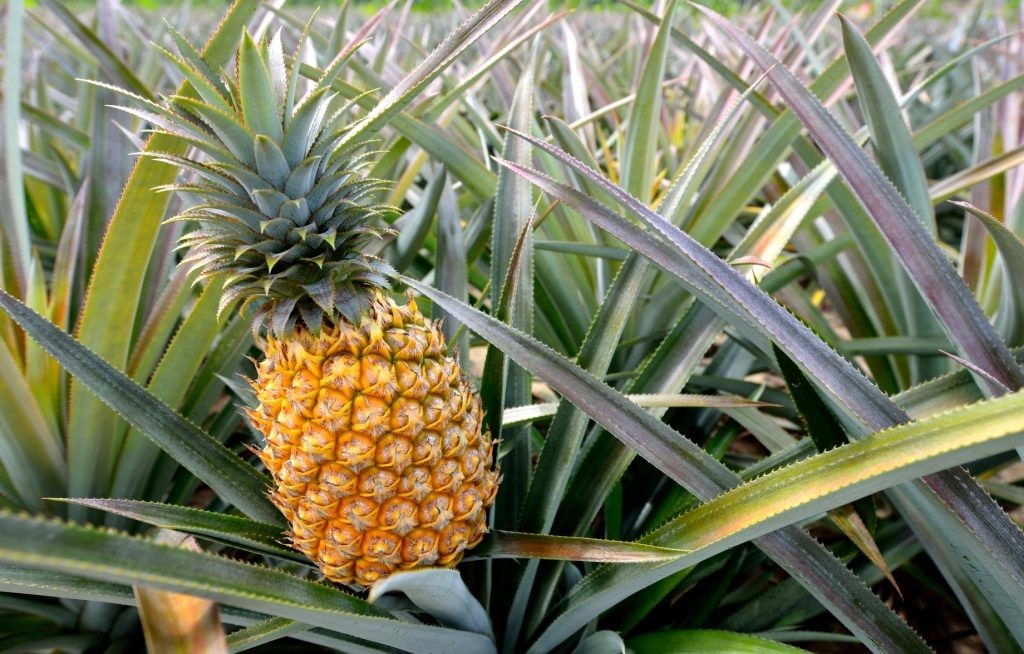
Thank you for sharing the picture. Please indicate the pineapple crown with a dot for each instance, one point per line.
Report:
(281, 208)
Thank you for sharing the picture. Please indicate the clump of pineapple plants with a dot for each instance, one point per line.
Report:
(260, 388)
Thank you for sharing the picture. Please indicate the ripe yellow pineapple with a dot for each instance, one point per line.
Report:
(374, 440)
(373, 435)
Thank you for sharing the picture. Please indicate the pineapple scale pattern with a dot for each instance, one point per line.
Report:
(375, 445)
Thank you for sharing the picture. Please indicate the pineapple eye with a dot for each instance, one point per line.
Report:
(355, 450)
(370, 415)
(343, 541)
(378, 483)
(399, 515)
(445, 475)
(436, 510)
(383, 546)
(453, 539)
(420, 547)
(394, 450)
(406, 420)
(338, 479)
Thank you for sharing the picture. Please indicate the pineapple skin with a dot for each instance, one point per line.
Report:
(374, 440)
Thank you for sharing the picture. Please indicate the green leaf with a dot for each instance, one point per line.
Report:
(461, 164)
(13, 217)
(169, 383)
(583, 249)
(16, 578)
(964, 111)
(238, 138)
(228, 529)
(32, 581)
(533, 412)
(414, 226)
(822, 426)
(109, 556)
(111, 64)
(701, 641)
(113, 297)
(713, 62)
(552, 474)
(800, 491)
(601, 642)
(299, 136)
(466, 82)
(773, 147)
(65, 278)
(889, 134)
(234, 340)
(29, 450)
(1010, 318)
(232, 479)
(512, 275)
(696, 470)
(259, 104)
(725, 290)
(894, 345)
(32, 641)
(827, 432)
(450, 267)
(402, 93)
(970, 522)
(51, 612)
(54, 126)
(512, 236)
(976, 174)
(553, 471)
(927, 266)
(762, 427)
(894, 150)
(41, 373)
(639, 152)
(940, 394)
(670, 366)
(262, 632)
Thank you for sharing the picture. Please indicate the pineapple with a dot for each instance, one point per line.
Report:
(373, 435)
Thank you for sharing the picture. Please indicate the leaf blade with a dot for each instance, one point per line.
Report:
(945, 292)
(112, 298)
(233, 479)
(108, 556)
(696, 470)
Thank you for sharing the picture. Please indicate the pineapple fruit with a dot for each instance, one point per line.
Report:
(373, 435)
(374, 440)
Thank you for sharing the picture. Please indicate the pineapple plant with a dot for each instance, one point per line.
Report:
(373, 434)
(674, 518)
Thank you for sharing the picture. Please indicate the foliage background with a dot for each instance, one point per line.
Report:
(754, 187)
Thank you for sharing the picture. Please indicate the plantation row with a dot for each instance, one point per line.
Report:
(512, 328)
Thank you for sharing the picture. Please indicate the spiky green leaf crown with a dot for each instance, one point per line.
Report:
(283, 211)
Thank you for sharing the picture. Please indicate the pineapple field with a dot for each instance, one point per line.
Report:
(521, 327)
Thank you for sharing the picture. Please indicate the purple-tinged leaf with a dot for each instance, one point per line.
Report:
(686, 463)
(971, 523)
(1010, 318)
(726, 291)
(950, 299)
